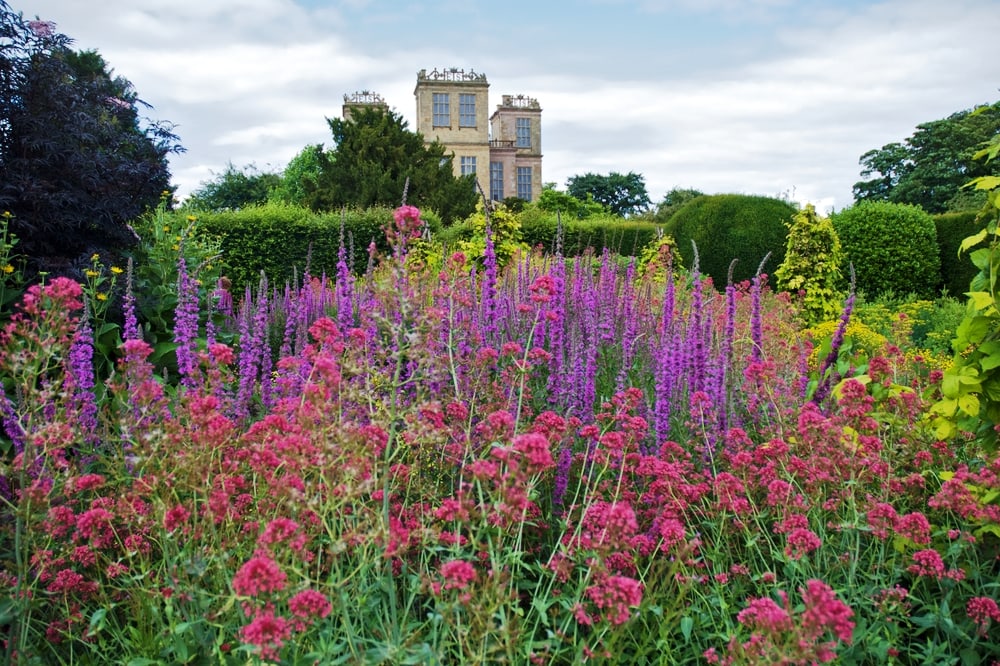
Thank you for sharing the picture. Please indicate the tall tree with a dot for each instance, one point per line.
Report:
(373, 158)
(300, 178)
(76, 162)
(930, 167)
(672, 202)
(234, 189)
(622, 194)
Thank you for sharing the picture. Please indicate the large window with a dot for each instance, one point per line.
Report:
(466, 110)
(467, 165)
(524, 183)
(442, 110)
(523, 127)
(496, 181)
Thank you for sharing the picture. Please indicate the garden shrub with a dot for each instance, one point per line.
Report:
(596, 233)
(812, 265)
(956, 271)
(893, 247)
(282, 241)
(731, 226)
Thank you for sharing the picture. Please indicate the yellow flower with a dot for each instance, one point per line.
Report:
(175, 247)
(166, 229)
(95, 257)
(192, 218)
(8, 269)
(91, 274)
(116, 270)
(102, 296)
(6, 213)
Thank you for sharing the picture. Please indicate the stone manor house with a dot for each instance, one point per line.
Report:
(504, 153)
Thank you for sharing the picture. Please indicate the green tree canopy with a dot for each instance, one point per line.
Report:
(374, 157)
(300, 178)
(234, 189)
(552, 200)
(672, 202)
(930, 167)
(622, 194)
(76, 161)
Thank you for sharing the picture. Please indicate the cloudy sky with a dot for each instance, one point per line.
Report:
(772, 97)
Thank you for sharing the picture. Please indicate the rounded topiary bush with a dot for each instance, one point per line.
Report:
(892, 246)
(731, 226)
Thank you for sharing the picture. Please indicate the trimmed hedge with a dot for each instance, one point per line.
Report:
(892, 246)
(624, 237)
(732, 226)
(538, 229)
(957, 270)
(279, 241)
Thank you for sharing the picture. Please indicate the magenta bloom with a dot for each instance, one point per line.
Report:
(457, 574)
(259, 574)
(310, 605)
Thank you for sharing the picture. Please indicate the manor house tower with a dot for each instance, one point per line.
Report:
(451, 108)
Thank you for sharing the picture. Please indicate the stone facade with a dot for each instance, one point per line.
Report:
(504, 153)
(363, 99)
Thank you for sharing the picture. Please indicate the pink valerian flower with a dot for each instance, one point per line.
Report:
(175, 517)
(824, 612)
(279, 530)
(927, 562)
(260, 574)
(457, 574)
(613, 596)
(534, 450)
(764, 614)
(267, 633)
(801, 542)
(310, 605)
(95, 526)
(915, 527)
(982, 611)
(882, 519)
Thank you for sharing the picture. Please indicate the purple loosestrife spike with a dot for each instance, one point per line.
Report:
(81, 376)
(828, 369)
(756, 321)
(131, 328)
(556, 330)
(246, 361)
(627, 306)
(11, 422)
(562, 477)
(489, 296)
(186, 325)
(695, 343)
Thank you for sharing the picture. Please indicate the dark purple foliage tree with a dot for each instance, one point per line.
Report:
(77, 162)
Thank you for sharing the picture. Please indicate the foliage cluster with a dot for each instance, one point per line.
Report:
(725, 227)
(812, 265)
(971, 386)
(234, 189)
(77, 163)
(622, 194)
(283, 241)
(956, 270)
(891, 246)
(930, 168)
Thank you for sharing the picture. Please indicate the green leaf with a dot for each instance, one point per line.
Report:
(687, 624)
(985, 182)
(981, 299)
(972, 240)
(969, 403)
